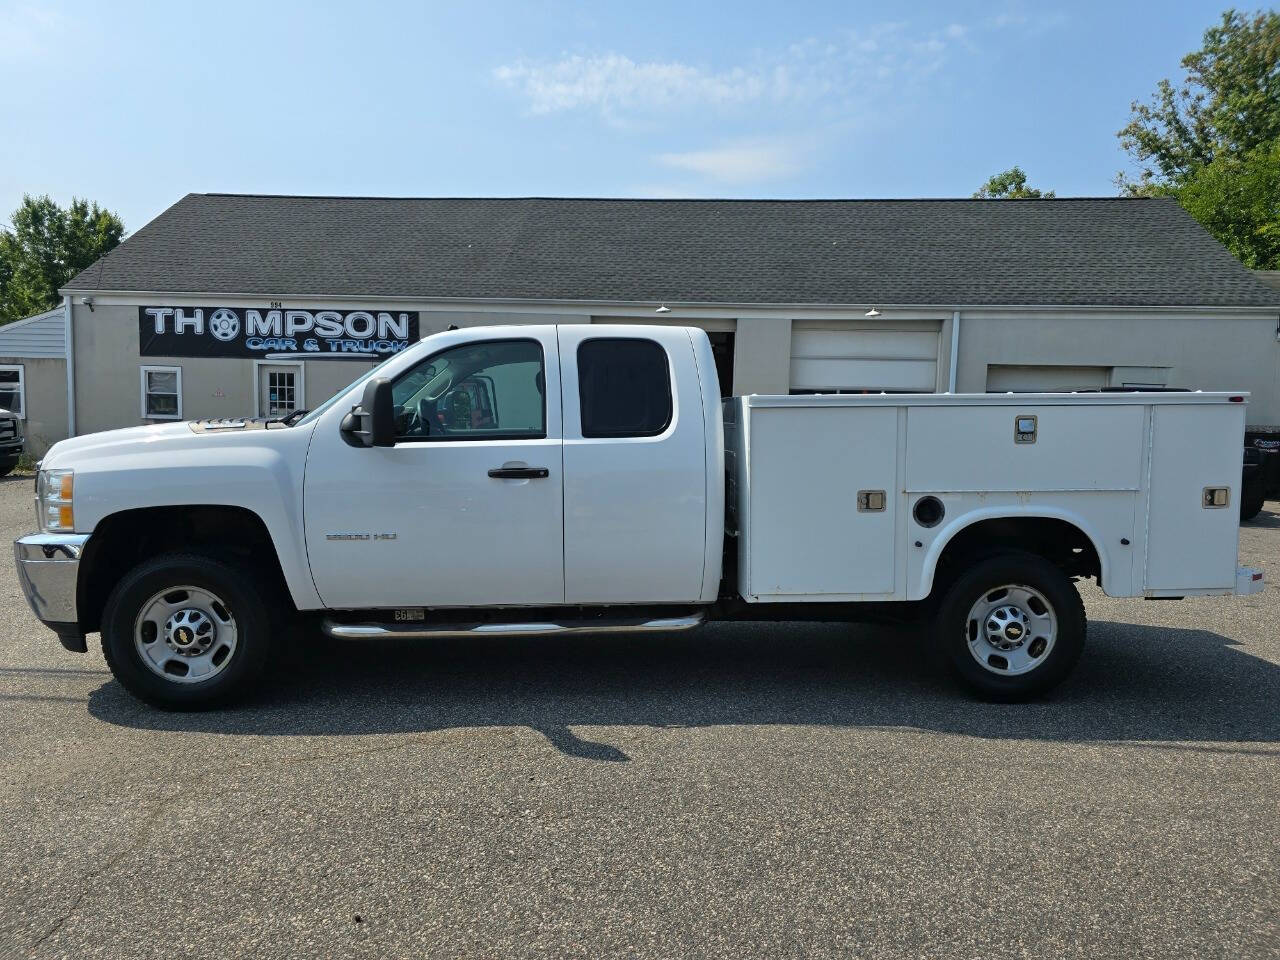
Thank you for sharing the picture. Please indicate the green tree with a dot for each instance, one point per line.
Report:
(1011, 185)
(1237, 199)
(1213, 141)
(1229, 102)
(45, 247)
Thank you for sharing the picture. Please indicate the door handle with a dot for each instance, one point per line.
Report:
(519, 473)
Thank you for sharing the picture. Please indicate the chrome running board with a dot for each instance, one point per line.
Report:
(450, 631)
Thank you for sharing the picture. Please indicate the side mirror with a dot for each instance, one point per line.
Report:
(372, 424)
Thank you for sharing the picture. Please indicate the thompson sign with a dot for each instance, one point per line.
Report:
(252, 332)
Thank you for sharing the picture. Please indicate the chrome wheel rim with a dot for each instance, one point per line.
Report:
(186, 634)
(1011, 630)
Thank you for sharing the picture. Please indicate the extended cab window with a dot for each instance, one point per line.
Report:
(492, 390)
(624, 387)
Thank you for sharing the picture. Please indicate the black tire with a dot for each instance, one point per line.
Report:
(1251, 503)
(953, 631)
(7, 468)
(245, 604)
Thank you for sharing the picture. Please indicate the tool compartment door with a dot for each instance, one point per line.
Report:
(808, 537)
(977, 449)
(1190, 546)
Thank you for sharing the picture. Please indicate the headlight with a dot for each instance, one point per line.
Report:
(55, 510)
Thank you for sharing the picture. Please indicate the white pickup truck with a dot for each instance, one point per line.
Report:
(540, 479)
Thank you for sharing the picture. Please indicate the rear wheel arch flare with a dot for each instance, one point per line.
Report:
(1043, 532)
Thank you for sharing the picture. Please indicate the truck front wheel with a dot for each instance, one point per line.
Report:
(1011, 627)
(186, 632)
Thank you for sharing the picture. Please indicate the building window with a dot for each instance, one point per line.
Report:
(162, 393)
(282, 392)
(624, 388)
(13, 390)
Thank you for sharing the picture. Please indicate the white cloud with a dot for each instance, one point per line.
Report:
(856, 64)
(613, 82)
(1032, 24)
(808, 85)
(31, 31)
(739, 163)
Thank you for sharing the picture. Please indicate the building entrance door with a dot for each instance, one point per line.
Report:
(279, 389)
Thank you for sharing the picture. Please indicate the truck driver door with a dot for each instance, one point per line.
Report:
(466, 508)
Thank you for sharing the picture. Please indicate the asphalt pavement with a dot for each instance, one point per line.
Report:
(764, 790)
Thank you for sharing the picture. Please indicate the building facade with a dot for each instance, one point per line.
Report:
(229, 305)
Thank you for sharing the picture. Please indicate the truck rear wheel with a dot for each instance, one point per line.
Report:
(1011, 627)
(186, 632)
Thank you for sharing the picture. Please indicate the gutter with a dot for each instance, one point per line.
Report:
(69, 348)
(955, 351)
(133, 296)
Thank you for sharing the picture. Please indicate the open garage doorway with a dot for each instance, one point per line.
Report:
(1010, 378)
(722, 350)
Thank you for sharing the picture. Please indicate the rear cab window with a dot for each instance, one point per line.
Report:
(624, 387)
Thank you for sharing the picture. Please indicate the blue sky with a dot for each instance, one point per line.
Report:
(134, 105)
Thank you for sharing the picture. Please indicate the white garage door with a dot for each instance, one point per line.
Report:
(857, 360)
(1003, 378)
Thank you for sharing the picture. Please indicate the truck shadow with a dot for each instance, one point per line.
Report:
(1138, 683)
(1269, 518)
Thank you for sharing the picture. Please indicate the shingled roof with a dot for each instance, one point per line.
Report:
(1108, 252)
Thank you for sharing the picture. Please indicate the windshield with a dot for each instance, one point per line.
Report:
(314, 414)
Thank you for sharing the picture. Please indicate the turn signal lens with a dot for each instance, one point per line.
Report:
(54, 494)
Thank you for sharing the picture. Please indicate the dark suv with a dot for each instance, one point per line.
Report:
(1261, 481)
(11, 441)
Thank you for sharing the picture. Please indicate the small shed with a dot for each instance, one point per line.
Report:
(33, 377)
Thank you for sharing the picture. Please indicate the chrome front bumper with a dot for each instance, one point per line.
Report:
(48, 569)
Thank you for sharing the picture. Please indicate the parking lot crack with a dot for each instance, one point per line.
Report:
(139, 840)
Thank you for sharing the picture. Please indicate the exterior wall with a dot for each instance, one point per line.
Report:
(323, 379)
(45, 384)
(43, 335)
(1195, 350)
(762, 355)
(108, 362)
(108, 381)
(1232, 350)
(436, 320)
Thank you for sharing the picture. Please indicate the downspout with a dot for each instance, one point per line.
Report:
(71, 365)
(955, 350)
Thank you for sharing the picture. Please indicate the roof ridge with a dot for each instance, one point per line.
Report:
(744, 200)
